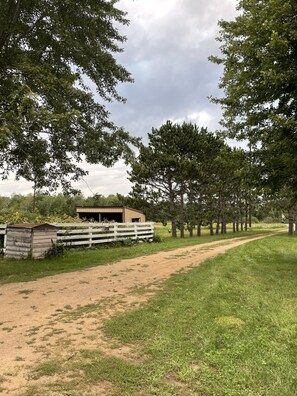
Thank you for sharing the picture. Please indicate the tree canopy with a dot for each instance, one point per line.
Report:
(189, 176)
(49, 52)
(259, 56)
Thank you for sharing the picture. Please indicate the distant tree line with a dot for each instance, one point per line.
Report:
(47, 206)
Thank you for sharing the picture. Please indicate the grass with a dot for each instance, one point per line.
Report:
(12, 270)
(226, 328)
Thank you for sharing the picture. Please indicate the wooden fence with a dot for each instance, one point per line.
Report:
(89, 234)
(2, 236)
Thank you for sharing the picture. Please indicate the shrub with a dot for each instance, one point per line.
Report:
(157, 238)
(57, 249)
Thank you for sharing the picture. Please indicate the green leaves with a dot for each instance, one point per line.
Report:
(259, 55)
(47, 52)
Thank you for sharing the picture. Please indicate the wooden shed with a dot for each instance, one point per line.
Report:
(118, 214)
(29, 240)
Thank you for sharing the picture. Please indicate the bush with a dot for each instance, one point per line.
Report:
(57, 249)
(270, 220)
(157, 238)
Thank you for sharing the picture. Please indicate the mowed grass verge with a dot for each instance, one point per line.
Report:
(228, 327)
(12, 270)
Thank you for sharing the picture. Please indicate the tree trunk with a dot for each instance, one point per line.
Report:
(291, 223)
(211, 228)
(174, 228)
(34, 197)
(182, 216)
(198, 228)
(218, 227)
(241, 223)
(191, 230)
(246, 216)
(234, 225)
(250, 215)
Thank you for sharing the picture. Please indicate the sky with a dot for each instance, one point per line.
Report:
(167, 49)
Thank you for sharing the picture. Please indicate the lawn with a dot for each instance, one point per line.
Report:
(228, 327)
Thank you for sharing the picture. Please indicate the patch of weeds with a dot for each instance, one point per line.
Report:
(97, 367)
(25, 291)
(157, 239)
(19, 359)
(139, 290)
(77, 313)
(33, 331)
(229, 321)
(52, 333)
(91, 337)
(9, 329)
(69, 307)
(47, 368)
(56, 250)
(10, 374)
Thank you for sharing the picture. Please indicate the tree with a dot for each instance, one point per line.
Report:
(48, 50)
(259, 55)
(174, 172)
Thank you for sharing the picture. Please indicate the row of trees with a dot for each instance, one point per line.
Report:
(190, 177)
(49, 206)
(259, 84)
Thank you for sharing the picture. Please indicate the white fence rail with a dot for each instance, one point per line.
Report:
(89, 234)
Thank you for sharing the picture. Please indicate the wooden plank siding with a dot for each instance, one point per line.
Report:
(29, 240)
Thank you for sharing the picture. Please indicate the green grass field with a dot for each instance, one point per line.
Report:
(228, 327)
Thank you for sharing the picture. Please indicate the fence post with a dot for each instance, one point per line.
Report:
(151, 231)
(5, 239)
(115, 231)
(136, 230)
(90, 235)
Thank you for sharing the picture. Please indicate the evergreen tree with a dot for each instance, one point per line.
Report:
(259, 55)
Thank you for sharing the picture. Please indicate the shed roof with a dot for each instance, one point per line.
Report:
(31, 225)
(108, 207)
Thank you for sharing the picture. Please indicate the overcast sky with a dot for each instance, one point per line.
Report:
(167, 49)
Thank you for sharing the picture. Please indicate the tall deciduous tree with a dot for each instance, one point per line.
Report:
(48, 50)
(259, 55)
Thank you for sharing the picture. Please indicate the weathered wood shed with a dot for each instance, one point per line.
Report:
(118, 214)
(29, 240)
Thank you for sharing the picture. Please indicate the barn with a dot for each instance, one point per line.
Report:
(117, 214)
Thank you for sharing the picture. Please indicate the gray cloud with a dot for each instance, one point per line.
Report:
(167, 53)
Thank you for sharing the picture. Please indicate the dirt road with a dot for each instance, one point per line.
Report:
(59, 314)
